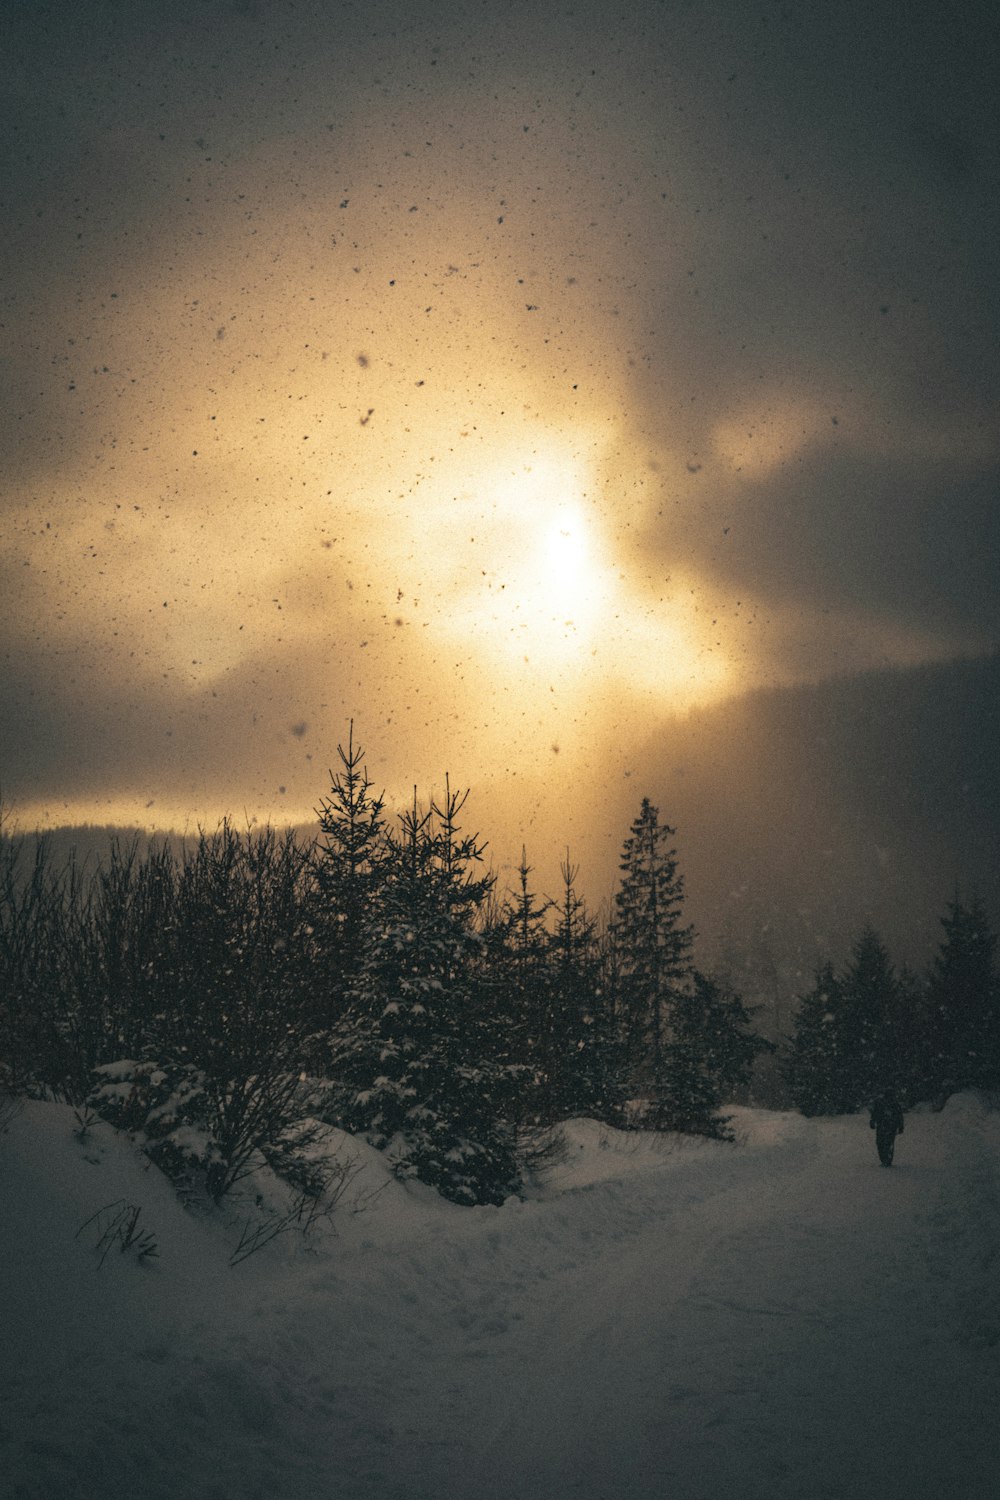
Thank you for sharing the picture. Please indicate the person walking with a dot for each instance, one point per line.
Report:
(887, 1122)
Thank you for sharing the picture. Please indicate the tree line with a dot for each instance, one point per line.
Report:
(872, 1028)
(230, 1001)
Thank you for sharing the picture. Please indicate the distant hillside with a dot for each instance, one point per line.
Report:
(804, 812)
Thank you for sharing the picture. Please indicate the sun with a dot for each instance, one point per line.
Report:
(517, 578)
(541, 588)
(566, 550)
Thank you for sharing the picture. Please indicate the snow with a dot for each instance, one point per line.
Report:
(659, 1317)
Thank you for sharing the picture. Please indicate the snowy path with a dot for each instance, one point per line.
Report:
(782, 1319)
(774, 1325)
(785, 1342)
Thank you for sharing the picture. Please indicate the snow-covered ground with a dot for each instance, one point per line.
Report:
(659, 1318)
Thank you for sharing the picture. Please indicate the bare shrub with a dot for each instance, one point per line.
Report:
(117, 1223)
(540, 1149)
(306, 1211)
(10, 1107)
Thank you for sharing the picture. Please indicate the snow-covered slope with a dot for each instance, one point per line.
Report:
(659, 1318)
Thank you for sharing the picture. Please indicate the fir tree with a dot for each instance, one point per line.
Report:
(875, 1024)
(854, 1034)
(349, 864)
(714, 1018)
(587, 1073)
(812, 1064)
(527, 997)
(652, 946)
(418, 1052)
(901, 1046)
(962, 1008)
(689, 1043)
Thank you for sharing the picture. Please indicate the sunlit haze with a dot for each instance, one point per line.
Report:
(507, 383)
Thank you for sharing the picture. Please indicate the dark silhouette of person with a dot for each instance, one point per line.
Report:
(887, 1122)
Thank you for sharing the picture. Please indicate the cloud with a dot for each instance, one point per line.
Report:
(291, 310)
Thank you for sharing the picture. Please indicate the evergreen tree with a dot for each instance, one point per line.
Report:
(349, 864)
(417, 1050)
(711, 1054)
(901, 1069)
(812, 1066)
(688, 1041)
(854, 1034)
(587, 1077)
(714, 1015)
(962, 1008)
(527, 999)
(652, 946)
(875, 1024)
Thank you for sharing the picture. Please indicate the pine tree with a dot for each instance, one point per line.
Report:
(962, 1015)
(812, 1064)
(901, 1053)
(526, 996)
(652, 947)
(418, 1051)
(587, 1068)
(349, 864)
(854, 1034)
(875, 1024)
(689, 1041)
(714, 1018)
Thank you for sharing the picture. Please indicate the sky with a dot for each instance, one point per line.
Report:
(505, 378)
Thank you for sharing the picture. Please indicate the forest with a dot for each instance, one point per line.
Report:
(229, 1003)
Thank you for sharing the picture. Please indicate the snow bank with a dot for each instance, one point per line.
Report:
(678, 1318)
